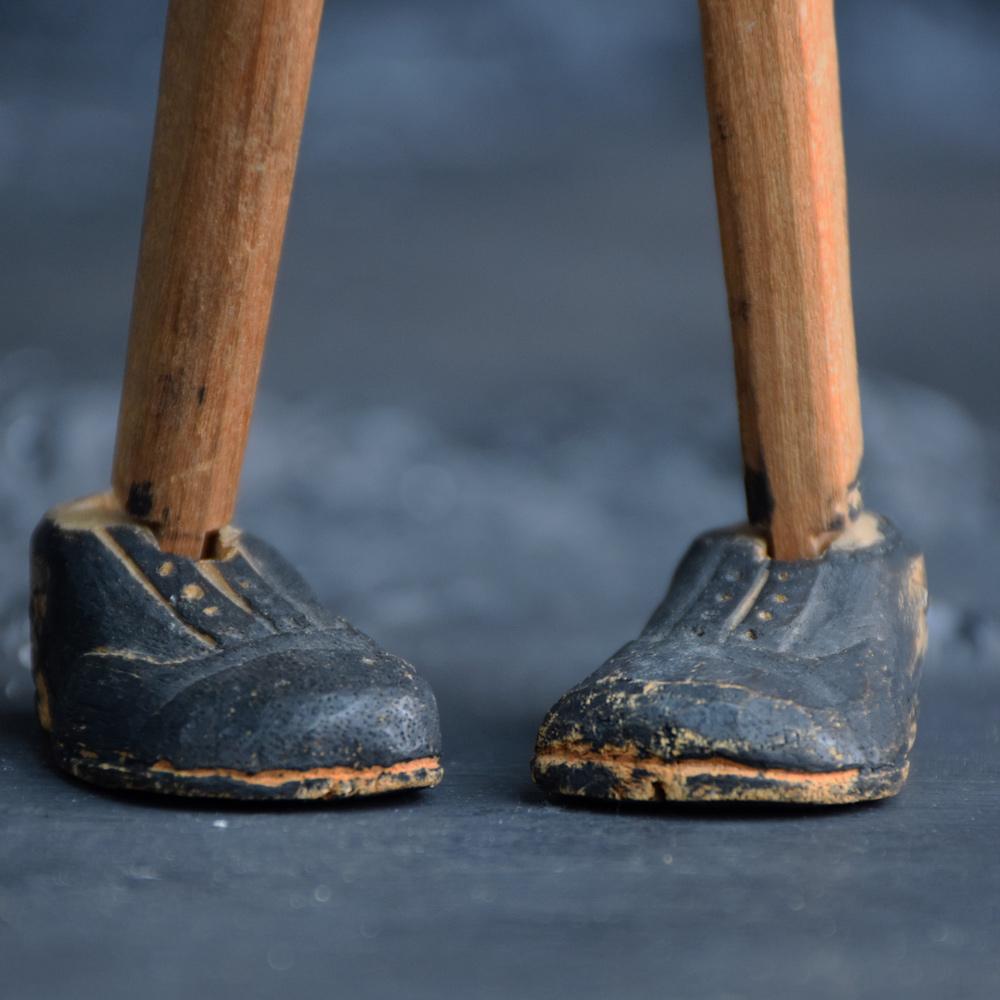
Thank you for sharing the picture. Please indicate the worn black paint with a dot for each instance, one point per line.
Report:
(757, 489)
(192, 678)
(140, 499)
(820, 673)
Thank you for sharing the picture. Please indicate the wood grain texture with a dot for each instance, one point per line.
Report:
(233, 88)
(774, 111)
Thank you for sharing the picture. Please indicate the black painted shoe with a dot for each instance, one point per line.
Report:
(756, 680)
(219, 678)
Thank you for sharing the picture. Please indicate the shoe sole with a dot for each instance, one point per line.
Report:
(621, 775)
(312, 784)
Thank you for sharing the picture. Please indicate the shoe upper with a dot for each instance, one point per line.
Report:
(228, 663)
(809, 665)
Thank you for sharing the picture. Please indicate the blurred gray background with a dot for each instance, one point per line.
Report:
(492, 195)
(496, 406)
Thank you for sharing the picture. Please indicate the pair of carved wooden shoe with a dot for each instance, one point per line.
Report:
(225, 678)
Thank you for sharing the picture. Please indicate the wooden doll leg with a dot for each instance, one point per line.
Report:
(782, 664)
(163, 661)
(777, 148)
(233, 90)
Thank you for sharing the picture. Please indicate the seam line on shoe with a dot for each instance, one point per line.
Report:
(285, 596)
(135, 571)
(795, 626)
(215, 578)
(747, 601)
(704, 576)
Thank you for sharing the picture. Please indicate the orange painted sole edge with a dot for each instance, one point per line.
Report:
(617, 775)
(312, 784)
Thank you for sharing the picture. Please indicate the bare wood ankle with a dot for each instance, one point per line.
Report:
(774, 111)
(233, 89)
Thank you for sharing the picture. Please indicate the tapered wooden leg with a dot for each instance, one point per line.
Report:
(774, 112)
(769, 676)
(172, 664)
(233, 89)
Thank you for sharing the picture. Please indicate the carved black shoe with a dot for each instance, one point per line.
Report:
(218, 677)
(756, 680)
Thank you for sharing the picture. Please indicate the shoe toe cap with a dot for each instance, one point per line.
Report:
(672, 720)
(299, 709)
